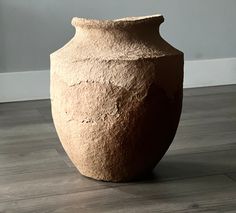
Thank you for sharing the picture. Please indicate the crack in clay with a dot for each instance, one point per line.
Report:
(124, 58)
(109, 83)
(87, 121)
(137, 95)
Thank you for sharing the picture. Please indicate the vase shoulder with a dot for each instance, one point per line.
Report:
(122, 39)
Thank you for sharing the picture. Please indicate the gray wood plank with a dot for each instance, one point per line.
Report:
(186, 140)
(206, 129)
(26, 146)
(27, 129)
(27, 137)
(24, 105)
(46, 183)
(183, 165)
(199, 149)
(205, 101)
(212, 193)
(232, 175)
(46, 113)
(18, 163)
(210, 90)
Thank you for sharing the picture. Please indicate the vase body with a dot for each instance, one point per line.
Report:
(116, 96)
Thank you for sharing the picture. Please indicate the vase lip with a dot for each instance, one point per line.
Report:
(94, 23)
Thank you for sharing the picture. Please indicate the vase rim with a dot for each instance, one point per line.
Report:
(80, 22)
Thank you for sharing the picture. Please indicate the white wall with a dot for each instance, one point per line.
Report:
(31, 29)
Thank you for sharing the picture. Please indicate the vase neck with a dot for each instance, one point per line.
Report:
(119, 29)
(124, 23)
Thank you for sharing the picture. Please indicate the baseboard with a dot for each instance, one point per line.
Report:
(34, 85)
(23, 86)
(212, 72)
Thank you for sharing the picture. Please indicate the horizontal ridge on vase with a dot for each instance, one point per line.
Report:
(116, 96)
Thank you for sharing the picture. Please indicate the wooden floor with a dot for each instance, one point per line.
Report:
(198, 173)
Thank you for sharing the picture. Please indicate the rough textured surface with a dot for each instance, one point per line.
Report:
(116, 93)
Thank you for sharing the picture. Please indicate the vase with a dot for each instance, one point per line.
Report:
(116, 96)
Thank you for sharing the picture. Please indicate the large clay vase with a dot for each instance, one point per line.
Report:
(116, 94)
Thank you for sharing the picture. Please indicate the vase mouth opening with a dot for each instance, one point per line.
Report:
(127, 21)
